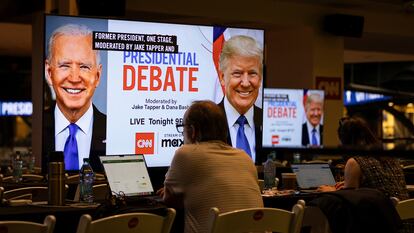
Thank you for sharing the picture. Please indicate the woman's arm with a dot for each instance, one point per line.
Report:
(352, 174)
(172, 199)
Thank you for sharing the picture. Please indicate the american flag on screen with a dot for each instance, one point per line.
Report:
(218, 41)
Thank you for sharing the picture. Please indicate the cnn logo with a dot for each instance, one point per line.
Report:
(275, 139)
(144, 143)
(331, 85)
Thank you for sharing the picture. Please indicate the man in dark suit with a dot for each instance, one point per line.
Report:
(98, 145)
(312, 129)
(241, 70)
(74, 125)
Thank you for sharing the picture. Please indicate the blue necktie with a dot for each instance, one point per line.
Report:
(71, 149)
(241, 141)
(314, 140)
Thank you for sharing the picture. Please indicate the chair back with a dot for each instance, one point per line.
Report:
(35, 193)
(314, 220)
(317, 161)
(405, 209)
(74, 179)
(2, 200)
(100, 192)
(256, 220)
(25, 177)
(129, 222)
(24, 226)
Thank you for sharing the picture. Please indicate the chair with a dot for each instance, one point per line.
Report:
(129, 222)
(33, 193)
(24, 226)
(314, 220)
(411, 166)
(256, 219)
(404, 208)
(26, 177)
(100, 192)
(2, 200)
(37, 170)
(74, 179)
(301, 202)
(318, 161)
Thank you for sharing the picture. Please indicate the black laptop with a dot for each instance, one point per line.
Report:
(310, 176)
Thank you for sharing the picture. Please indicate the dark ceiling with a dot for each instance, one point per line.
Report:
(19, 11)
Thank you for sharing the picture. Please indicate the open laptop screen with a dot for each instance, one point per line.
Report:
(313, 175)
(127, 174)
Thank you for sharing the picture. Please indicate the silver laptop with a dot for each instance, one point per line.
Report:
(310, 176)
(127, 175)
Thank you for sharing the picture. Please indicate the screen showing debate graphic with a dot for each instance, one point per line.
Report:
(285, 117)
(151, 72)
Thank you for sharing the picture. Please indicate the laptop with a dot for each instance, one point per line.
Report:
(128, 176)
(310, 176)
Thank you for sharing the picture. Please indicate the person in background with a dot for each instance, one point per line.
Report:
(312, 129)
(74, 125)
(241, 71)
(206, 172)
(382, 173)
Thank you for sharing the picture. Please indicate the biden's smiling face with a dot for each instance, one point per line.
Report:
(73, 72)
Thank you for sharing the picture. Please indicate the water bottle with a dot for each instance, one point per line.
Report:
(86, 178)
(296, 158)
(17, 167)
(269, 171)
(30, 161)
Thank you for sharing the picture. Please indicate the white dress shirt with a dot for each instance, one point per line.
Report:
(232, 116)
(83, 135)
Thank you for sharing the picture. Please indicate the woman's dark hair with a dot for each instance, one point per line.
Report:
(208, 120)
(354, 131)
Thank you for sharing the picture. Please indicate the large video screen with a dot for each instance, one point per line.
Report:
(292, 117)
(140, 76)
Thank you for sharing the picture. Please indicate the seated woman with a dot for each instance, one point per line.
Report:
(382, 173)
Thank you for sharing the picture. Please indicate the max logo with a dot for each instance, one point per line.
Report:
(144, 143)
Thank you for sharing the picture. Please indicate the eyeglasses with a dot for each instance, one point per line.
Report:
(180, 127)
